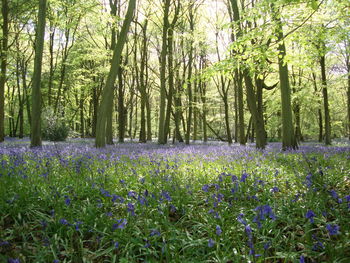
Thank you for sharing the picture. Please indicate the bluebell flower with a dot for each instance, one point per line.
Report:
(267, 245)
(63, 221)
(310, 215)
(333, 193)
(132, 194)
(4, 243)
(244, 177)
(154, 232)
(308, 180)
(116, 244)
(166, 195)
(347, 198)
(55, 261)
(172, 208)
(249, 231)
(241, 219)
(211, 242)
(205, 188)
(318, 246)
(148, 244)
(121, 224)
(274, 189)
(218, 230)
(333, 229)
(13, 260)
(67, 201)
(43, 224)
(302, 259)
(77, 224)
(131, 209)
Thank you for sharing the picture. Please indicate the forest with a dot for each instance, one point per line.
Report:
(175, 131)
(234, 71)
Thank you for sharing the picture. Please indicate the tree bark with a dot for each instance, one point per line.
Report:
(36, 93)
(162, 105)
(4, 50)
(288, 137)
(107, 94)
(327, 120)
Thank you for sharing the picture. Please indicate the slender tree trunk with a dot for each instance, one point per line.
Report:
(81, 109)
(149, 119)
(4, 49)
(320, 119)
(143, 83)
(241, 125)
(162, 105)
(51, 47)
(257, 121)
(36, 94)
(189, 78)
(108, 91)
(121, 108)
(348, 95)
(327, 120)
(170, 82)
(288, 137)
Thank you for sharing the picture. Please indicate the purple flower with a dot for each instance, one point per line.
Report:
(132, 194)
(274, 189)
(333, 229)
(55, 261)
(248, 231)
(241, 219)
(218, 230)
(205, 188)
(310, 215)
(4, 243)
(67, 201)
(244, 177)
(347, 198)
(116, 244)
(121, 224)
(211, 242)
(131, 209)
(267, 245)
(13, 260)
(333, 193)
(63, 221)
(166, 196)
(302, 259)
(318, 246)
(154, 232)
(77, 224)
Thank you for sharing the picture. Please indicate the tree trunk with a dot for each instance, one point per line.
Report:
(162, 105)
(189, 81)
(121, 109)
(4, 49)
(241, 125)
(36, 94)
(327, 121)
(257, 121)
(288, 137)
(108, 91)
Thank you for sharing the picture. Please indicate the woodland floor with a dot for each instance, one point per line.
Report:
(131, 202)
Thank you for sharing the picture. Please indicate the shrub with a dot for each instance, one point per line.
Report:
(54, 127)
